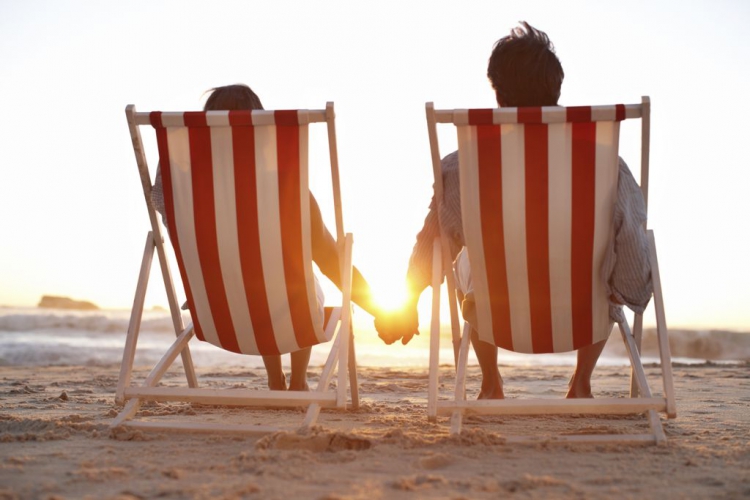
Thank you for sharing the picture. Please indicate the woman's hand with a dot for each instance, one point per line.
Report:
(400, 324)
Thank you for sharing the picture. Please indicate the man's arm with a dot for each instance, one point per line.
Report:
(419, 274)
(404, 323)
(627, 264)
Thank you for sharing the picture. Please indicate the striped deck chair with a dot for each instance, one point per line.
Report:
(538, 189)
(237, 201)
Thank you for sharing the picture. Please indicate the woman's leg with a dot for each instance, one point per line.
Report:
(276, 377)
(300, 360)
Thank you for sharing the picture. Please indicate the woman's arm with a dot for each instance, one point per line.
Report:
(325, 255)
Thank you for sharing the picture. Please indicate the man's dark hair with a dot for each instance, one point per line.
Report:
(524, 69)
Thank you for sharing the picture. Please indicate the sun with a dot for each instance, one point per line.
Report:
(389, 292)
(391, 301)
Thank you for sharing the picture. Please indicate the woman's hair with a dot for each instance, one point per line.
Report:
(232, 97)
(524, 69)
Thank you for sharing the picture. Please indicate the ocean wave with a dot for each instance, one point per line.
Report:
(93, 322)
(31, 336)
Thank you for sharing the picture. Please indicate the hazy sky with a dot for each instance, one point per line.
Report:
(72, 217)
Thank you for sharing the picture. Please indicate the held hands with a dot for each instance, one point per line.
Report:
(400, 324)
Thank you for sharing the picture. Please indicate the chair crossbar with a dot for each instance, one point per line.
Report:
(221, 118)
(541, 114)
(584, 439)
(196, 427)
(232, 397)
(608, 406)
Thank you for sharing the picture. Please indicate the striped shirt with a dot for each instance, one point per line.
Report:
(626, 264)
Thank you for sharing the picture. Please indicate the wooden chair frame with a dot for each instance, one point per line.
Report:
(641, 400)
(341, 357)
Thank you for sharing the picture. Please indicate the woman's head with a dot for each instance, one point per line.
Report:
(232, 98)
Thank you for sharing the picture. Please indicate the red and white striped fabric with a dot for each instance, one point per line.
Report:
(237, 200)
(537, 200)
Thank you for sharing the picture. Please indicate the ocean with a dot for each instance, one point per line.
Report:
(40, 337)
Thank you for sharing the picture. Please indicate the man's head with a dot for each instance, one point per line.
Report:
(232, 97)
(524, 70)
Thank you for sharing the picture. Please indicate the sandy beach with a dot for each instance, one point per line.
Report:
(56, 442)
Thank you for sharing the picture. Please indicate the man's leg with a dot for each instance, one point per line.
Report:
(492, 382)
(580, 384)
(276, 377)
(300, 361)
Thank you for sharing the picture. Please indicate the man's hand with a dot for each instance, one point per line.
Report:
(402, 324)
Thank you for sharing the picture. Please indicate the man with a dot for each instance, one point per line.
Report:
(524, 71)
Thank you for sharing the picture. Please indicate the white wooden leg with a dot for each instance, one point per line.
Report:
(346, 318)
(450, 284)
(130, 409)
(656, 428)
(175, 310)
(325, 377)
(353, 382)
(166, 361)
(638, 337)
(460, 390)
(432, 387)
(136, 314)
(635, 360)
(661, 330)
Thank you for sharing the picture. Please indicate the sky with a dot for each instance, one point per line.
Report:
(72, 217)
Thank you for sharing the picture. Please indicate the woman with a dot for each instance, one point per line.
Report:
(324, 252)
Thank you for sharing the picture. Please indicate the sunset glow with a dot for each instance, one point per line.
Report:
(73, 214)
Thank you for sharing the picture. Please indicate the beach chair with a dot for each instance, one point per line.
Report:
(538, 188)
(237, 201)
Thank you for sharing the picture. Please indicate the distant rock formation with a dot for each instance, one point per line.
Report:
(54, 302)
(711, 345)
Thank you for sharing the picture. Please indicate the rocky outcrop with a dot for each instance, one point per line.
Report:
(54, 302)
(711, 345)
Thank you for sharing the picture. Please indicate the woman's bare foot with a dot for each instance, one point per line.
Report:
(579, 389)
(575, 395)
(493, 390)
(299, 387)
(277, 383)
